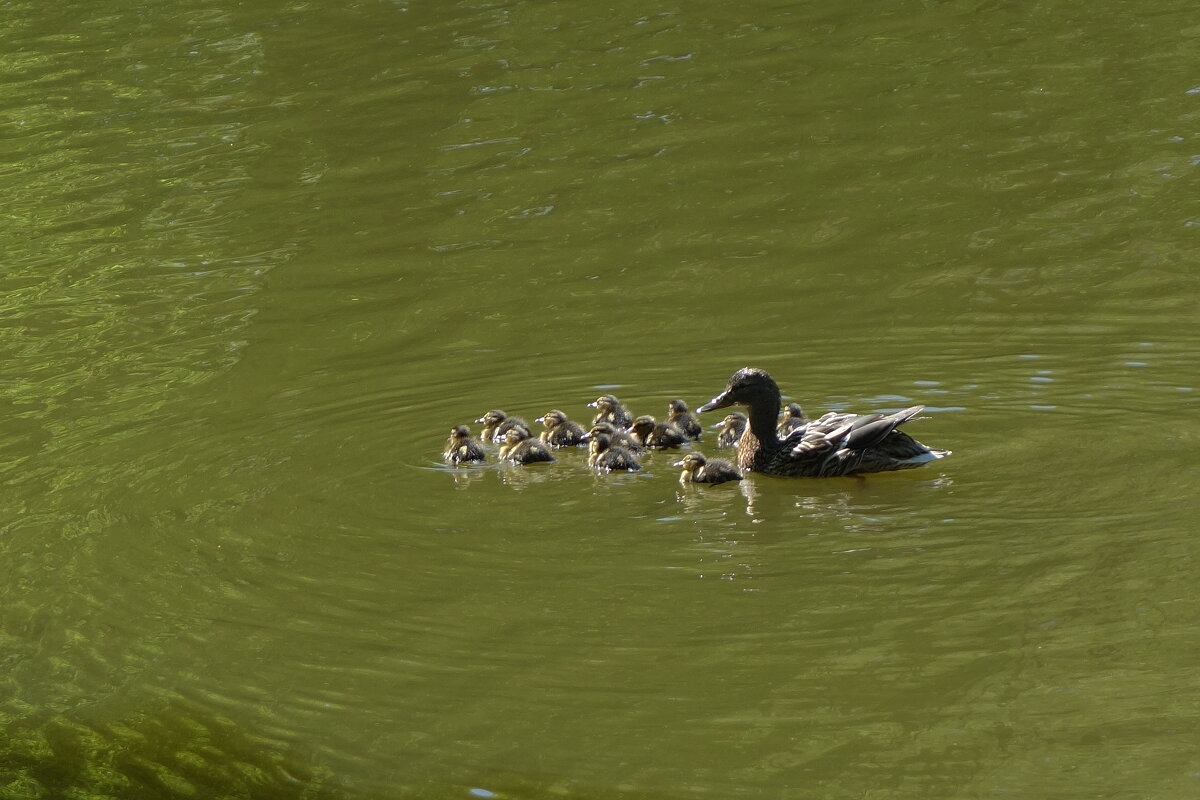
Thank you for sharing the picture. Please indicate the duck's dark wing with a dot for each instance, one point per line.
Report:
(847, 431)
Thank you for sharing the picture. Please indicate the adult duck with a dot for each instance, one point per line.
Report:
(835, 444)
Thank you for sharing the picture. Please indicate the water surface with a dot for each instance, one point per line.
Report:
(260, 259)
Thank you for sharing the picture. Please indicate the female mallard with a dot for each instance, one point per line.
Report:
(461, 448)
(793, 418)
(521, 448)
(496, 423)
(609, 409)
(835, 444)
(657, 434)
(603, 454)
(560, 431)
(617, 438)
(678, 415)
(731, 429)
(698, 469)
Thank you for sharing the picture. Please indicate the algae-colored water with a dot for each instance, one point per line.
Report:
(259, 258)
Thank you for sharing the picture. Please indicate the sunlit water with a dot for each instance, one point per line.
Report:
(260, 259)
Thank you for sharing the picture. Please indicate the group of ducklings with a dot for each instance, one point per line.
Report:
(615, 439)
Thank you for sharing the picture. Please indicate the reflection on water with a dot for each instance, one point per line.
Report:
(260, 258)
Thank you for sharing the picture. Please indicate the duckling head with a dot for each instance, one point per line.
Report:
(691, 462)
(493, 417)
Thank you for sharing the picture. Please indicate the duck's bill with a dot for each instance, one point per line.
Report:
(677, 464)
(720, 401)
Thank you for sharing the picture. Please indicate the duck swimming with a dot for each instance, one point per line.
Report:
(521, 448)
(835, 444)
(793, 418)
(617, 438)
(609, 409)
(496, 423)
(680, 417)
(731, 429)
(461, 448)
(698, 469)
(560, 431)
(602, 454)
(657, 434)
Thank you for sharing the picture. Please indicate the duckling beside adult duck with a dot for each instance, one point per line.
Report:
(560, 431)
(730, 429)
(835, 444)
(496, 423)
(521, 448)
(657, 435)
(679, 416)
(793, 418)
(609, 409)
(617, 438)
(461, 447)
(603, 454)
(698, 469)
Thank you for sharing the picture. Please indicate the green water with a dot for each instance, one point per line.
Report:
(259, 258)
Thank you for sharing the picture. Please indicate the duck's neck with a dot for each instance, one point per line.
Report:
(764, 416)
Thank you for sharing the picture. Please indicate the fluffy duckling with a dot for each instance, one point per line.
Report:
(618, 438)
(678, 415)
(793, 418)
(698, 469)
(521, 448)
(560, 431)
(657, 434)
(602, 454)
(731, 429)
(461, 447)
(496, 423)
(609, 409)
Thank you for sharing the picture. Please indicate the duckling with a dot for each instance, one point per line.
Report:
(731, 429)
(698, 469)
(496, 423)
(521, 448)
(609, 409)
(618, 438)
(793, 418)
(677, 413)
(461, 448)
(657, 434)
(560, 431)
(603, 454)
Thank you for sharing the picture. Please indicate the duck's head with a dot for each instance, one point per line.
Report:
(460, 432)
(794, 410)
(605, 402)
(552, 418)
(493, 417)
(691, 462)
(677, 407)
(744, 388)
